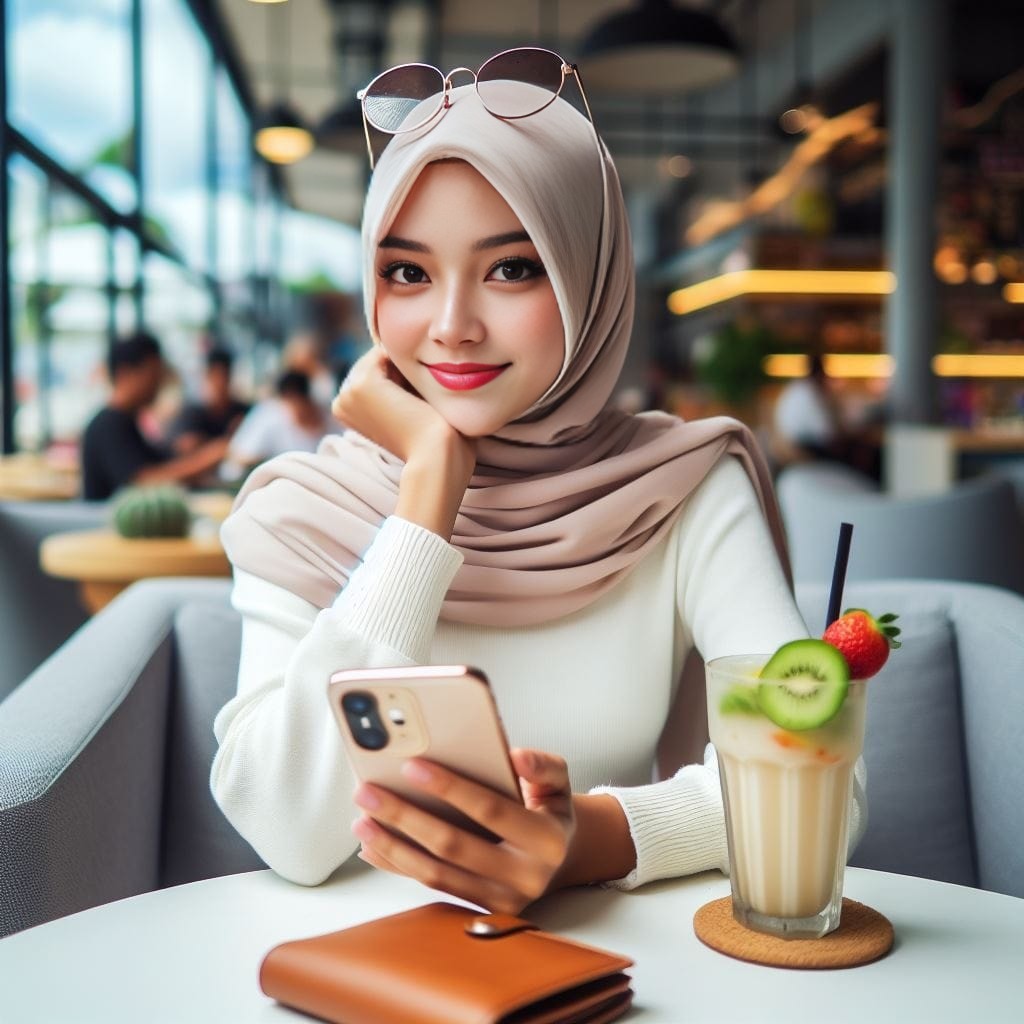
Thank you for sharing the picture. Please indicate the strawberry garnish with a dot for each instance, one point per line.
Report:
(863, 640)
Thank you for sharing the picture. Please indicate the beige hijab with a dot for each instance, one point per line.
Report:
(566, 500)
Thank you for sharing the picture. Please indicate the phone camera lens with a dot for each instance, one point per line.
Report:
(372, 739)
(364, 720)
(357, 703)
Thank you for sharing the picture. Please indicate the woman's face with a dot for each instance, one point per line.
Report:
(465, 309)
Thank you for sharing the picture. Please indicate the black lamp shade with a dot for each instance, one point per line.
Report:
(657, 48)
(341, 129)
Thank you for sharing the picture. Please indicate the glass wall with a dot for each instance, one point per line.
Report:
(135, 201)
(60, 277)
(69, 72)
(176, 94)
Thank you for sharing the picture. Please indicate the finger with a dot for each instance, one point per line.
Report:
(369, 856)
(415, 863)
(500, 814)
(451, 844)
(545, 779)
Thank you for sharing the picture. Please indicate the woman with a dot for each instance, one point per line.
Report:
(486, 508)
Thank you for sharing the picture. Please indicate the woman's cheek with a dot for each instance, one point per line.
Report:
(397, 323)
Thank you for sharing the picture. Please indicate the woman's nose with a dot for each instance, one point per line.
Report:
(456, 319)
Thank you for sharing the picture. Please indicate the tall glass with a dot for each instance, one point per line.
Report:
(787, 798)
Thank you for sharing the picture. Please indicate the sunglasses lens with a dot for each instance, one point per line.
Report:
(392, 97)
(539, 68)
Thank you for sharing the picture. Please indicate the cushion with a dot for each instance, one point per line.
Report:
(918, 810)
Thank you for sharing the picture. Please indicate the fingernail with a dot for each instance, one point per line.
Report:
(417, 771)
(364, 829)
(366, 797)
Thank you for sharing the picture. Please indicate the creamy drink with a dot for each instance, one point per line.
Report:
(786, 787)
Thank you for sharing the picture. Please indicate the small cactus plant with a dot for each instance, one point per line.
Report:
(151, 512)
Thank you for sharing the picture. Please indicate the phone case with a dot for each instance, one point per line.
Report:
(445, 714)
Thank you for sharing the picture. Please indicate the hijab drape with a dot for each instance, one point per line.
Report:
(567, 499)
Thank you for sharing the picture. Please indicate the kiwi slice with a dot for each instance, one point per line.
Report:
(805, 684)
(739, 700)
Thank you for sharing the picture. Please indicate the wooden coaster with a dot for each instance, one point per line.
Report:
(863, 935)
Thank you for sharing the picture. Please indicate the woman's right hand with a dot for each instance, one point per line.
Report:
(377, 402)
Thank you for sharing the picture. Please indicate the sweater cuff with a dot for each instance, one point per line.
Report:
(677, 826)
(394, 598)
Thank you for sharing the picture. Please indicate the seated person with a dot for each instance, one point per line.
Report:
(289, 421)
(806, 417)
(217, 415)
(114, 451)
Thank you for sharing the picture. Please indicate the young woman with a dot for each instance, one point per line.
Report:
(487, 508)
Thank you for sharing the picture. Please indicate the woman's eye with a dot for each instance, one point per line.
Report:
(513, 270)
(404, 273)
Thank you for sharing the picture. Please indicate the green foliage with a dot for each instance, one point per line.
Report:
(314, 284)
(731, 367)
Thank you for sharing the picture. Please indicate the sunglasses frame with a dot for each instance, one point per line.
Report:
(568, 70)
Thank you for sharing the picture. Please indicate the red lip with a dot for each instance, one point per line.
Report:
(464, 376)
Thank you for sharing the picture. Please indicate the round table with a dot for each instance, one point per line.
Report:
(191, 953)
(104, 563)
(31, 477)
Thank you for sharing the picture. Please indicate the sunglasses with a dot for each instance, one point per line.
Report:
(392, 96)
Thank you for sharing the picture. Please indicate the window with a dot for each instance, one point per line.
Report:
(175, 90)
(60, 262)
(70, 84)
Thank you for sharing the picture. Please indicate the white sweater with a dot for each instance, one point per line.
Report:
(594, 687)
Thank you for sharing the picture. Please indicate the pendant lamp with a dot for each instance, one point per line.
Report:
(281, 134)
(658, 48)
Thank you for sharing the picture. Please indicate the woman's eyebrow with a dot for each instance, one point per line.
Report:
(493, 241)
(394, 242)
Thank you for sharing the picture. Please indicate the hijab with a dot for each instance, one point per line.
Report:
(567, 499)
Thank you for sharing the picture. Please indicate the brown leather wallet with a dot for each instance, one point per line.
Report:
(445, 964)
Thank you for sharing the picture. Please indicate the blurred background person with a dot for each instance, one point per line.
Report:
(290, 420)
(807, 418)
(306, 354)
(809, 424)
(115, 452)
(219, 412)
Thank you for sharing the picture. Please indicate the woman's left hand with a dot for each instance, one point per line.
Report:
(502, 877)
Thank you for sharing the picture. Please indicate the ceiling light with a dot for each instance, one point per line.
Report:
(846, 365)
(657, 48)
(281, 135)
(780, 282)
(984, 272)
(980, 365)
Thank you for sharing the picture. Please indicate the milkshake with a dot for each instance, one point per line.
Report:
(786, 789)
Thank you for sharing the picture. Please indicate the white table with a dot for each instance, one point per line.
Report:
(190, 954)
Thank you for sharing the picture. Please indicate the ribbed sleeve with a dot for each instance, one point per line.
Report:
(677, 826)
(395, 596)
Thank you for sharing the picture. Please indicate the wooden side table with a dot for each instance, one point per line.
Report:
(29, 477)
(104, 563)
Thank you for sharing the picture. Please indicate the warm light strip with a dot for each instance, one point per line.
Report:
(780, 282)
(815, 147)
(982, 365)
(1014, 292)
(846, 365)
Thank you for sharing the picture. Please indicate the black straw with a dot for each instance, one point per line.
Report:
(835, 597)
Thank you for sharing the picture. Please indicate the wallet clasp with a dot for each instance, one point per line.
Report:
(494, 926)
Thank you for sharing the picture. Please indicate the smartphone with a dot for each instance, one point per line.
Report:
(445, 714)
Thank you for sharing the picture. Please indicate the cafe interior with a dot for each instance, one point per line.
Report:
(826, 206)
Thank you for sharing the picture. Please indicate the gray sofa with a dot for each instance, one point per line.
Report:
(37, 612)
(105, 750)
(973, 533)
